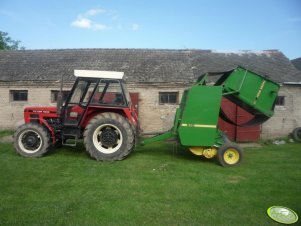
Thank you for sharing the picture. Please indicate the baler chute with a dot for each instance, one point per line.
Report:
(195, 124)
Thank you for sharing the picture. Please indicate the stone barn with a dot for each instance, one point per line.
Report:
(156, 79)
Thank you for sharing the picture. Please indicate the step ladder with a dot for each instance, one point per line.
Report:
(70, 134)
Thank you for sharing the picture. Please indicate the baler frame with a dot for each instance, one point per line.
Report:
(195, 124)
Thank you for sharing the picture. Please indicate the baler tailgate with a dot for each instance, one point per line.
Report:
(252, 92)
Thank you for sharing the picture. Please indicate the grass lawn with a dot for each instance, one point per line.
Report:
(155, 185)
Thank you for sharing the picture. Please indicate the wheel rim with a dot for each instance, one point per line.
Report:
(299, 134)
(107, 138)
(231, 156)
(30, 141)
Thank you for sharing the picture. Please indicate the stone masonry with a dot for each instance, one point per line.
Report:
(286, 117)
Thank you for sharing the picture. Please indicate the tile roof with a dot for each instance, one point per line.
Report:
(141, 65)
(297, 63)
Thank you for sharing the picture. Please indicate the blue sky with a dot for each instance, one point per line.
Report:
(224, 25)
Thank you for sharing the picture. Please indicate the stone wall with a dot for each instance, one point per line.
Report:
(286, 117)
(11, 114)
(153, 116)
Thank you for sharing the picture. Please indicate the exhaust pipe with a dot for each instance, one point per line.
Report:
(59, 102)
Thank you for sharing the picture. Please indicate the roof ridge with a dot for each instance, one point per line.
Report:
(268, 51)
(151, 65)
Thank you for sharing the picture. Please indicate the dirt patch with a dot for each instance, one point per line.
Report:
(235, 179)
(250, 145)
(7, 139)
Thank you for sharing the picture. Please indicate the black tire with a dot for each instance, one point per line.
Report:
(109, 137)
(226, 139)
(31, 140)
(230, 154)
(297, 134)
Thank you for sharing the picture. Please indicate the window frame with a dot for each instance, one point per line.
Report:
(169, 102)
(19, 92)
(280, 101)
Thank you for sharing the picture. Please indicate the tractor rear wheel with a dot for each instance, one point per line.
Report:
(31, 140)
(229, 154)
(109, 137)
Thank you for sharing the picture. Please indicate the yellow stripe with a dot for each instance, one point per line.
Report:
(198, 125)
(259, 91)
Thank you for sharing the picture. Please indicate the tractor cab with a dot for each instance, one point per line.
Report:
(95, 92)
(92, 91)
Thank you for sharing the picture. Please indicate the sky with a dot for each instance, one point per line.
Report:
(219, 25)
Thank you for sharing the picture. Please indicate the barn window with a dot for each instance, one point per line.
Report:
(168, 97)
(55, 94)
(18, 95)
(280, 101)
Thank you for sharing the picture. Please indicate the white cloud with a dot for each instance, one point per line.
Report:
(89, 20)
(81, 22)
(84, 20)
(99, 27)
(94, 12)
(135, 27)
(85, 23)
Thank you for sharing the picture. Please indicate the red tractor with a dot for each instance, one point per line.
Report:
(98, 109)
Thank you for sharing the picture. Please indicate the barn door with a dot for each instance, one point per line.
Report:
(135, 101)
(239, 116)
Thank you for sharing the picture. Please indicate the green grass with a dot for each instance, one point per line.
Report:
(155, 185)
(4, 133)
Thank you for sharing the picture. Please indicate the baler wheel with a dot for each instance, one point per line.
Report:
(297, 134)
(230, 154)
(32, 140)
(109, 137)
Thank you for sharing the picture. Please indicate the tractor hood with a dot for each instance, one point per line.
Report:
(44, 110)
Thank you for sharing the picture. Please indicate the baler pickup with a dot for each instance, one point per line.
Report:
(195, 123)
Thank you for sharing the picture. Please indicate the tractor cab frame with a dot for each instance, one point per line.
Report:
(93, 92)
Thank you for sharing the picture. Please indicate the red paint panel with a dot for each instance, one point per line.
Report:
(239, 116)
(244, 134)
(230, 110)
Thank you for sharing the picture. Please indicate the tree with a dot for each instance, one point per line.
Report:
(8, 43)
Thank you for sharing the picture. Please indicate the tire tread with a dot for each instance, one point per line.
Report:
(112, 117)
(43, 133)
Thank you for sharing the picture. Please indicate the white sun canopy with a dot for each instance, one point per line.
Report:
(99, 74)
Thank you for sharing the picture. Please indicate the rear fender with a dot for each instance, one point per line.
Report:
(92, 112)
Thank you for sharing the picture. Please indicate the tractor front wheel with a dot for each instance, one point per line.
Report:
(109, 137)
(31, 140)
(230, 154)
